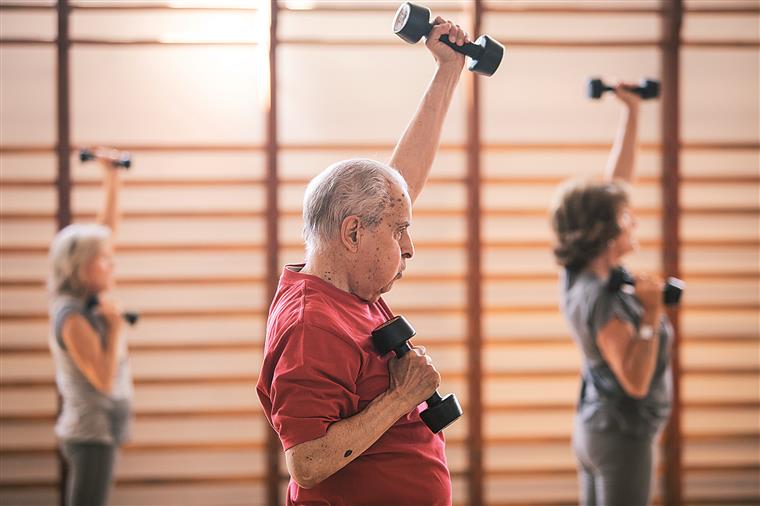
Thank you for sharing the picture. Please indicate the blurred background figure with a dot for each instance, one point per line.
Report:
(624, 337)
(90, 353)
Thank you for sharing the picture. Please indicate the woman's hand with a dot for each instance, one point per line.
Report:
(649, 292)
(111, 310)
(630, 99)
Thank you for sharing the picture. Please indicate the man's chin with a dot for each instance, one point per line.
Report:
(387, 288)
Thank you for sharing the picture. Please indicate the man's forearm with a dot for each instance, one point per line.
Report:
(415, 151)
(312, 462)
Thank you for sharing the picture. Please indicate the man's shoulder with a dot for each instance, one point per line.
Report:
(304, 304)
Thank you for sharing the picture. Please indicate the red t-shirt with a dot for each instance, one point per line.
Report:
(319, 367)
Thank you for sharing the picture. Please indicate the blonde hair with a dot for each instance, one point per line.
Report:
(71, 250)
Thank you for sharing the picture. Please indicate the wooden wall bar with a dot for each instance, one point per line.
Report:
(274, 448)
(671, 73)
(474, 281)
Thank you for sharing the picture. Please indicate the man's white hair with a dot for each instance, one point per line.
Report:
(71, 250)
(355, 187)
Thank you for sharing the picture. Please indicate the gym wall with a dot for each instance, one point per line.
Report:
(212, 193)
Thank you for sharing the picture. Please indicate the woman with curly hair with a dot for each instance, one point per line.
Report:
(89, 351)
(624, 335)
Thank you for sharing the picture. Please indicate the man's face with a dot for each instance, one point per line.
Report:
(384, 249)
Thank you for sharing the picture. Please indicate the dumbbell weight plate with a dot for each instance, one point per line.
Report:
(489, 59)
(412, 22)
(672, 291)
(402, 16)
(392, 334)
(650, 89)
(595, 88)
(442, 415)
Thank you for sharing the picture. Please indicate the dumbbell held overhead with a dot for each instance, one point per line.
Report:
(119, 159)
(412, 22)
(647, 88)
(393, 336)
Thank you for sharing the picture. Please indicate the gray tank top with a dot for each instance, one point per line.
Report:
(86, 413)
(588, 305)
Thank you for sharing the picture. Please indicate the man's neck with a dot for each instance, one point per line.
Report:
(324, 268)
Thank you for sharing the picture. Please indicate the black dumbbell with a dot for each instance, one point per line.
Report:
(671, 293)
(130, 317)
(412, 22)
(393, 336)
(647, 88)
(122, 161)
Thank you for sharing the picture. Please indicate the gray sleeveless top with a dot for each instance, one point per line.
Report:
(86, 413)
(588, 305)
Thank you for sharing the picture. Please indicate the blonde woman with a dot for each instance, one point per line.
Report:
(624, 337)
(92, 370)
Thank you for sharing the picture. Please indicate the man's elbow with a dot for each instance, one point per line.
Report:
(302, 470)
(304, 482)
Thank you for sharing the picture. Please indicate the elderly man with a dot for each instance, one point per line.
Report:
(349, 420)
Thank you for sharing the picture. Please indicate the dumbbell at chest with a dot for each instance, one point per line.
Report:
(393, 336)
(671, 292)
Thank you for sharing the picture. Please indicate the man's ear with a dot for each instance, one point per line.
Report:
(349, 233)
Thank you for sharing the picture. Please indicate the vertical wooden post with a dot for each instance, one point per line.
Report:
(64, 140)
(474, 303)
(671, 139)
(63, 181)
(273, 447)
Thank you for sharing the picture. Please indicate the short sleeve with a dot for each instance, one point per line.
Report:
(606, 307)
(61, 312)
(314, 384)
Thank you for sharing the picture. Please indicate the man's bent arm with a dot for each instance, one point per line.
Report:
(312, 462)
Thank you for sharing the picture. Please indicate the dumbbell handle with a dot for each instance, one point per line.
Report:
(671, 292)
(633, 89)
(131, 317)
(402, 350)
(474, 51)
(124, 161)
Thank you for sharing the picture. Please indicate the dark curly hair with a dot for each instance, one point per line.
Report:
(585, 220)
